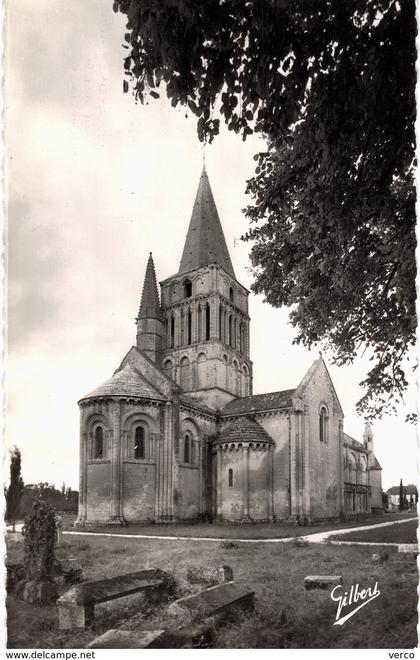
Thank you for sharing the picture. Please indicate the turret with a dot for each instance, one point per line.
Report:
(149, 320)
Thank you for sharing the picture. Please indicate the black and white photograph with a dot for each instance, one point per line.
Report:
(210, 395)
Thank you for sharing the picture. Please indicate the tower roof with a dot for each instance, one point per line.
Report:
(150, 306)
(205, 242)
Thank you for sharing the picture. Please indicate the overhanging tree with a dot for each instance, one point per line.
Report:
(330, 86)
(15, 489)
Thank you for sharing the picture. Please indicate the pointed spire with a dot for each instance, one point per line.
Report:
(150, 306)
(205, 242)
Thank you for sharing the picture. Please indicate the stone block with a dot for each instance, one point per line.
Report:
(75, 616)
(76, 606)
(215, 600)
(210, 575)
(322, 581)
(126, 639)
(411, 548)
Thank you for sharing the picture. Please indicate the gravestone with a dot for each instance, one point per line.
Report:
(215, 600)
(76, 606)
(39, 540)
(322, 581)
(210, 575)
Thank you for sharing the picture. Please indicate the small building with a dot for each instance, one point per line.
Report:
(409, 491)
(176, 434)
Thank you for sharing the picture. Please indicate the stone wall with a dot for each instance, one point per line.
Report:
(322, 461)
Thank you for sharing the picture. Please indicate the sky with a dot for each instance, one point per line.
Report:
(94, 182)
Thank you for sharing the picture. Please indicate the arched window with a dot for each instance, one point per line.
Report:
(139, 448)
(245, 381)
(230, 330)
(323, 418)
(237, 377)
(187, 289)
(189, 326)
(172, 338)
(182, 321)
(99, 442)
(230, 478)
(231, 294)
(207, 322)
(234, 334)
(168, 368)
(187, 448)
(200, 323)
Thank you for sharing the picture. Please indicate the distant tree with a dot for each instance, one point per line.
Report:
(416, 496)
(15, 489)
(330, 85)
(411, 502)
(385, 500)
(405, 499)
(401, 496)
(63, 488)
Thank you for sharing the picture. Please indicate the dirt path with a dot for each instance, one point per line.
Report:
(318, 537)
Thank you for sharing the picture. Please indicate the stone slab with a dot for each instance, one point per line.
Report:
(322, 581)
(210, 575)
(215, 600)
(75, 616)
(408, 548)
(101, 591)
(126, 639)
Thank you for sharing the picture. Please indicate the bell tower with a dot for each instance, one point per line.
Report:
(205, 313)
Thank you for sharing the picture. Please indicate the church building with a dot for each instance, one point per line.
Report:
(176, 434)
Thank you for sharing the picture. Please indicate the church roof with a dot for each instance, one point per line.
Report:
(189, 402)
(125, 382)
(149, 305)
(259, 402)
(394, 490)
(205, 242)
(244, 429)
(352, 441)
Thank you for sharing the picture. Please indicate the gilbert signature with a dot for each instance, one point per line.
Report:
(346, 599)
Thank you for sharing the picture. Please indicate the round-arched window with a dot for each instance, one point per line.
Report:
(139, 443)
(187, 288)
(323, 418)
(99, 442)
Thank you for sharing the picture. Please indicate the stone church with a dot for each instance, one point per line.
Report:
(176, 434)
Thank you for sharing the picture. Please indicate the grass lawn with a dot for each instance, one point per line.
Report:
(220, 530)
(404, 533)
(286, 615)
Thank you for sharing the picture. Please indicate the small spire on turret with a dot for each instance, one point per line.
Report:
(150, 305)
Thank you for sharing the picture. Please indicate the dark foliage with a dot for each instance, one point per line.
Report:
(330, 85)
(61, 501)
(15, 490)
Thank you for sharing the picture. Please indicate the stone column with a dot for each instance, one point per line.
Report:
(177, 334)
(341, 467)
(116, 503)
(200, 477)
(245, 481)
(219, 482)
(83, 467)
(292, 466)
(270, 483)
(164, 467)
(306, 486)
